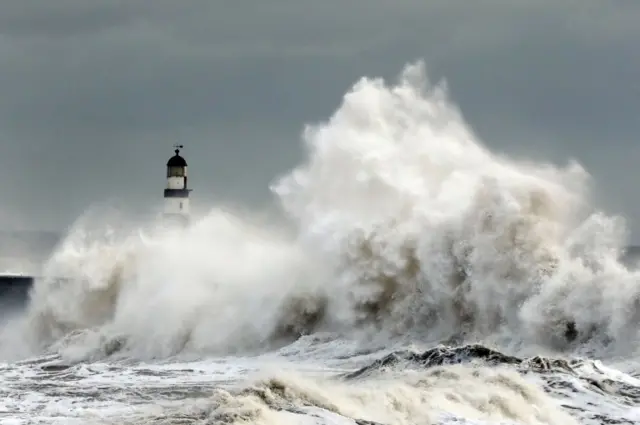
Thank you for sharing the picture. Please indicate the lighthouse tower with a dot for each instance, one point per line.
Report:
(176, 194)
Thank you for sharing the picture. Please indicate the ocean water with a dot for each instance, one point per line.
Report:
(415, 277)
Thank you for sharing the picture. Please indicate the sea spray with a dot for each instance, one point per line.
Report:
(219, 286)
(404, 224)
(424, 227)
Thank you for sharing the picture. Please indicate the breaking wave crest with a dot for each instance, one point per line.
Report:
(419, 397)
(220, 286)
(458, 393)
(404, 223)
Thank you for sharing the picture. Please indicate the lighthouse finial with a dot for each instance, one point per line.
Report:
(178, 147)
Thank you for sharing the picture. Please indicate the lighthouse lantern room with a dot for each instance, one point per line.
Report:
(176, 194)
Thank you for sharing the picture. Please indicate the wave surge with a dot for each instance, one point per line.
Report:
(404, 223)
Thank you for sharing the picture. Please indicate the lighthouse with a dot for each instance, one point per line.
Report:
(176, 193)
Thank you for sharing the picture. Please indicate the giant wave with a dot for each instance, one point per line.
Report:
(402, 227)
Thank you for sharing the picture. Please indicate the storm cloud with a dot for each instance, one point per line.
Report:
(95, 93)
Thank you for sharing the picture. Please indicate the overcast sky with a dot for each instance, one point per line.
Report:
(94, 93)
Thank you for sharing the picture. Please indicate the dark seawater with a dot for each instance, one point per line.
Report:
(22, 253)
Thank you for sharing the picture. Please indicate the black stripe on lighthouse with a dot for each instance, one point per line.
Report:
(176, 193)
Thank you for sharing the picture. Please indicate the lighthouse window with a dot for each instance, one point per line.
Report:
(175, 172)
(180, 206)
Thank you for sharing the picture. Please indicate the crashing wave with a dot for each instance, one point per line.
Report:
(404, 223)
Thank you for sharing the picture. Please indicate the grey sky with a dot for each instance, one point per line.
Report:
(94, 93)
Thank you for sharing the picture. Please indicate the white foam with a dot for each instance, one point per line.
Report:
(403, 219)
(402, 223)
(270, 394)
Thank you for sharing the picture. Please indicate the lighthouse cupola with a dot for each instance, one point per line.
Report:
(176, 193)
